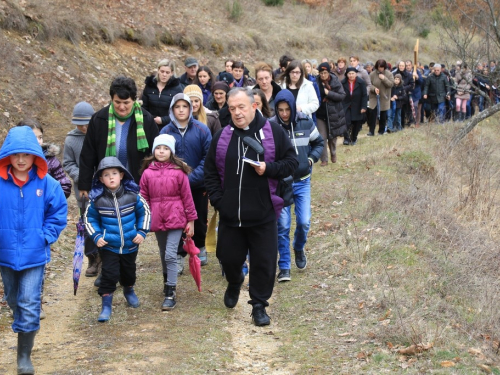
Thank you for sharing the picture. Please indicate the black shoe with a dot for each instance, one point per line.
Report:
(370, 134)
(346, 142)
(259, 315)
(284, 275)
(353, 143)
(169, 302)
(300, 259)
(232, 294)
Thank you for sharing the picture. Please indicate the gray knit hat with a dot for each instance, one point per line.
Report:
(82, 113)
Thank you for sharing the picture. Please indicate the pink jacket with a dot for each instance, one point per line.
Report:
(166, 189)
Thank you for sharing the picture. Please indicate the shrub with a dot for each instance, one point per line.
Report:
(235, 10)
(272, 3)
(385, 17)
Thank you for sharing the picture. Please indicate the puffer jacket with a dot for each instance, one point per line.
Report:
(193, 145)
(306, 97)
(117, 217)
(158, 103)
(463, 81)
(31, 216)
(166, 189)
(303, 134)
(55, 169)
(331, 109)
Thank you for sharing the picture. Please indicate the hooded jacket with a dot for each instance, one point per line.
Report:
(31, 216)
(71, 158)
(192, 145)
(166, 189)
(158, 103)
(242, 197)
(303, 134)
(50, 152)
(117, 217)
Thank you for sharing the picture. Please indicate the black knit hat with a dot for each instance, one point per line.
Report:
(324, 66)
(351, 69)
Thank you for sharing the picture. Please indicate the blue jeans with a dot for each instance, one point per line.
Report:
(302, 201)
(440, 108)
(23, 293)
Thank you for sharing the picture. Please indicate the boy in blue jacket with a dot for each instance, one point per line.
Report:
(33, 213)
(117, 219)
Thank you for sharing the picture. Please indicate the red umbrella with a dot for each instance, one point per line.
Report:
(194, 261)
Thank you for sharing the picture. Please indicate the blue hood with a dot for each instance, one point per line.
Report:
(21, 139)
(285, 96)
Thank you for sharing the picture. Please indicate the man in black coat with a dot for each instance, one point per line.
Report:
(437, 90)
(244, 164)
(127, 138)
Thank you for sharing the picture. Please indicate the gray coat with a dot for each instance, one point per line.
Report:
(71, 159)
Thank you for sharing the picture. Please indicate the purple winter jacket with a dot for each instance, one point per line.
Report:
(50, 151)
(166, 189)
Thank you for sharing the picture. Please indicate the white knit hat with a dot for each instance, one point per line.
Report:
(165, 140)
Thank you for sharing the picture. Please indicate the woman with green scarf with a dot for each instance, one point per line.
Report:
(122, 129)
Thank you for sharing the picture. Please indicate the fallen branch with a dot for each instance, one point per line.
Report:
(473, 121)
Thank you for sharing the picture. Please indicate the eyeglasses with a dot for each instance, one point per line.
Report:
(295, 72)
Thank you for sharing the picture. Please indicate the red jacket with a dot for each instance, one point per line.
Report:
(166, 189)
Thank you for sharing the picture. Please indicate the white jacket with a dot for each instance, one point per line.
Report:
(307, 99)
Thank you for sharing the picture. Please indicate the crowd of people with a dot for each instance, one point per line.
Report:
(245, 145)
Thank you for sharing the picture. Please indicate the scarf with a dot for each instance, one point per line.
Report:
(142, 142)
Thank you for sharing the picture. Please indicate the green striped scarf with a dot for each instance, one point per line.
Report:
(142, 142)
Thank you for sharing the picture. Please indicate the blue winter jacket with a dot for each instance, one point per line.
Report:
(193, 146)
(31, 216)
(303, 134)
(117, 217)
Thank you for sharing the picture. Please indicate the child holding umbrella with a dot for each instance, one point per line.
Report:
(165, 186)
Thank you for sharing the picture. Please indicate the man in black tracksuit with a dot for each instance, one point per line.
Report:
(246, 197)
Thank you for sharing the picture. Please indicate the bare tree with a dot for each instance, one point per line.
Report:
(471, 34)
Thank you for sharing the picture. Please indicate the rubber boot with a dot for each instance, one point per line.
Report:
(131, 297)
(25, 342)
(169, 302)
(105, 314)
(203, 256)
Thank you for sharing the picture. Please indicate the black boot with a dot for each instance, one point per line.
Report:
(164, 284)
(169, 302)
(233, 293)
(25, 342)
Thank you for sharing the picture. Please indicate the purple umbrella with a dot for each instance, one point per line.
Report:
(78, 255)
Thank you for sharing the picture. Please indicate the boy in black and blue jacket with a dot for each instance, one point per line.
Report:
(308, 145)
(117, 219)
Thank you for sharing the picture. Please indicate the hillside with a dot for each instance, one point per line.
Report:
(56, 52)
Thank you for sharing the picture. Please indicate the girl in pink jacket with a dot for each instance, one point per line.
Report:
(165, 186)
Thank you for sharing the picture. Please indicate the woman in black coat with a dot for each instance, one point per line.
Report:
(355, 104)
(159, 91)
(330, 114)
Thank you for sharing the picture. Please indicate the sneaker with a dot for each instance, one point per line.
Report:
(180, 264)
(203, 256)
(259, 315)
(284, 275)
(169, 302)
(300, 259)
(370, 134)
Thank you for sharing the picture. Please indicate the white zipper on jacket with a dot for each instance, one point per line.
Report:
(118, 216)
(294, 141)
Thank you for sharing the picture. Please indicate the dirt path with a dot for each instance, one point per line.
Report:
(57, 345)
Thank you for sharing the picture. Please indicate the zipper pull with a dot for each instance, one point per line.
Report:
(21, 190)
